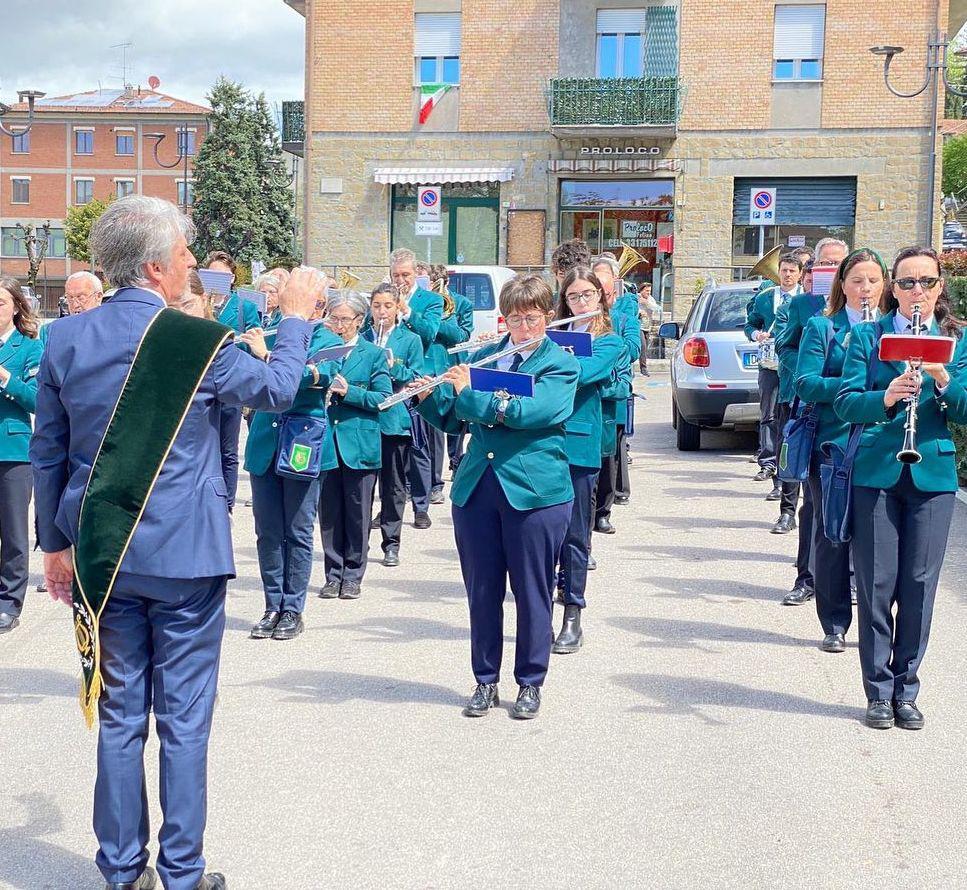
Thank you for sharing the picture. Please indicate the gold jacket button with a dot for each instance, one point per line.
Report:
(490, 455)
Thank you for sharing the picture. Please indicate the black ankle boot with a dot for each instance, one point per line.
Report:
(571, 636)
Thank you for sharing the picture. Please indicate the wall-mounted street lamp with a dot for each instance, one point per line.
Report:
(181, 159)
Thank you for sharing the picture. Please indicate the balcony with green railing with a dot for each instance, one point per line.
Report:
(293, 126)
(616, 106)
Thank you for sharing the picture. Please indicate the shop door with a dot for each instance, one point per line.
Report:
(473, 232)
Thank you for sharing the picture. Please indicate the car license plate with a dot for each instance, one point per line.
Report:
(750, 360)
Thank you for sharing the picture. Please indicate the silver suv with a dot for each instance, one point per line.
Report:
(714, 369)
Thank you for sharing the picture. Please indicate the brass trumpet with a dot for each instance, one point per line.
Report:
(908, 454)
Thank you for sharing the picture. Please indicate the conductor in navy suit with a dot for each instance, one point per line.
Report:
(161, 628)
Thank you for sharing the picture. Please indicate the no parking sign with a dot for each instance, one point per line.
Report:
(762, 207)
(428, 204)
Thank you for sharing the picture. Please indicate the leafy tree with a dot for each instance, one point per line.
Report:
(242, 199)
(77, 228)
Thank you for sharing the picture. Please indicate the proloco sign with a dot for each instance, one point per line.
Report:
(621, 150)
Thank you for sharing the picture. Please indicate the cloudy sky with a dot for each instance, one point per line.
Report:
(64, 46)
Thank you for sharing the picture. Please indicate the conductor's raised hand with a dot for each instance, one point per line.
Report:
(304, 287)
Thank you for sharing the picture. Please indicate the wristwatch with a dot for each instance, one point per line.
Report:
(501, 409)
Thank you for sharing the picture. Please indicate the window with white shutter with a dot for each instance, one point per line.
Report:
(799, 41)
(437, 47)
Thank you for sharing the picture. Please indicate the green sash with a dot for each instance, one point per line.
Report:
(172, 359)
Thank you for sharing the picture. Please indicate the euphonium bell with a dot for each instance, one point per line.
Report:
(768, 265)
(628, 259)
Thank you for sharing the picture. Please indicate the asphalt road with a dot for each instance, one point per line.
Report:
(700, 739)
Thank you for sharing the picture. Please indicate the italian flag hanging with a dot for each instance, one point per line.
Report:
(430, 96)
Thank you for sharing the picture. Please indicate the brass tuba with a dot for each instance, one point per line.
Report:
(768, 265)
(439, 286)
(627, 259)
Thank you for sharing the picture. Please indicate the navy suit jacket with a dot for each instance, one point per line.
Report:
(185, 530)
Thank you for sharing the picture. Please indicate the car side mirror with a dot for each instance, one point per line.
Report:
(670, 330)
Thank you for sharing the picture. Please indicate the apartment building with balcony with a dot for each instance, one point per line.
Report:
(619, 121)
(97, 144)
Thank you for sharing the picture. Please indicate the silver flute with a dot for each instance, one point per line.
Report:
(471, 345)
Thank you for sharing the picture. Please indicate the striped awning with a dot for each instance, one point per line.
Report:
(440, 175)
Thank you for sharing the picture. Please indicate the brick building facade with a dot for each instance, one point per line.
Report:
(619, 121)
(89, 145)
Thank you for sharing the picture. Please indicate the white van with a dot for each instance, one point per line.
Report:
(481, 285)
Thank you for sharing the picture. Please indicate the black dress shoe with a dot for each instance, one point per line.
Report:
(559, 596)
(799, 595)
(422, 520)
(212, 881)
(330, 590)
(437, 496)
(604, 526)
(879, 714)
(592, 563)
(763, 474)
(375, 522)
(786, 523)
(852, 596)
(263, 630)
(484, 697)
(42, 587)
(622, 500)
(571, 636)
(289, 627)
(350, 590)
(8, 622)
(907, 715)
(147, 880)
(833, 643)
(391, 557)
(774, 495)
(528, 703)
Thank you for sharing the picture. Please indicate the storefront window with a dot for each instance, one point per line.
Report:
(636, 213)
(470, 220)
(745, 239)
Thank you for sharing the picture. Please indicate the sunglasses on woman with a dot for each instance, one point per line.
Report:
(927, 283)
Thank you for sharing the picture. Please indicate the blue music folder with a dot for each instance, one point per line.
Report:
(576, 342)
(492, 380)
(215, 282)
(331, 354)
(253, 296)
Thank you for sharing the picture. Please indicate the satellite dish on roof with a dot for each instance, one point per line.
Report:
(154, 82)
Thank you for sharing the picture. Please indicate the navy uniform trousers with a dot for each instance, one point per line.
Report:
(160, 640)
(525, 545)
(832, 573)
(577, 544)
(438, 449)
(899, 540)
(392, 487)
(768, 399)
(421, 465)
(285, 516)
(345, 508)
(16, 484)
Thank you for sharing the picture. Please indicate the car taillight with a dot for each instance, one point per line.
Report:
(501, 325)
(695, 352)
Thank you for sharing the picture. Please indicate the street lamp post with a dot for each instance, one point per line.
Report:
(291, 177)
(181, 159)
(936, 69)
(28, 96)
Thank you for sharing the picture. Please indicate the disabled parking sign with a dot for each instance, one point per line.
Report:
(762, 207)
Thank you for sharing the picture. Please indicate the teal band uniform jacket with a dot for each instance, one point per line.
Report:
(812, 385)
(627, 324)
(761, 312)
(229, 314)
(263, 435)
(876, 465)
(585, 429)
(455, 329)
(20, 356)
(616, 392)
(790, 324)
(406, 366)
(354, 417)
(527, 450)
(425, 318)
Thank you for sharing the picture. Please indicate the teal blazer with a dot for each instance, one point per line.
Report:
(354, 417)
(527, 450)
(762, 314)
(263, 435)
(20, 356)
(455, 329)
(790, 324)
(876, 466)
(406, 366)
(625, 321)
(426, 316)
(820, 389)
(229, 314)
(584, 430)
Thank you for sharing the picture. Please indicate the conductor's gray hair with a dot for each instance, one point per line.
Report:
(133, 232)
(400, 256)
(355, 301)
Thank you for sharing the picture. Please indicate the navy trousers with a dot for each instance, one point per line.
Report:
(455, 448)
(899, 541)
(807, 521)
(790, 489)
(392, 488)
(16, 485)
(285, 515)
(160, 643)
(833, 603)
(495, 541)
(577, 544)
(768, 400)
(345, 508)
(438, 449)
(421, 469)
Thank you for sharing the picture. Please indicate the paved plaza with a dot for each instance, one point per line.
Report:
(700, 738)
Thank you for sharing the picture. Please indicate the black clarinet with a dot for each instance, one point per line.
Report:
(908, 454)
